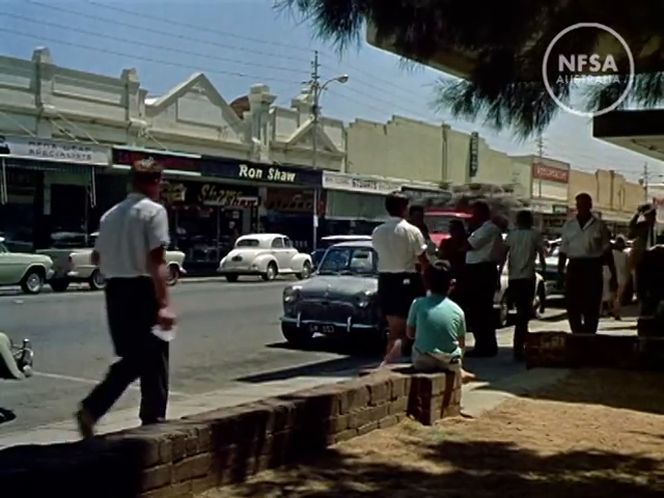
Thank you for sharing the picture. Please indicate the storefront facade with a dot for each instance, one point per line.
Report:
(550, 185)
(48, 191)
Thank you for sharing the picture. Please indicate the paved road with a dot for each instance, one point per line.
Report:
(229, 350)
(227, 333)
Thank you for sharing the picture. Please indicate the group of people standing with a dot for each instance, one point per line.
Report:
(434, 300)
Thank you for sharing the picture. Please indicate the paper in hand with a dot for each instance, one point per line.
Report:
(164, 335)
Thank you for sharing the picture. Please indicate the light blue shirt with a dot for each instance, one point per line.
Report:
(439, 324)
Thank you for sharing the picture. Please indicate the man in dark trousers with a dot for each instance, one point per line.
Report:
(401, 248)
(130, 249)
(484, 253)
(586, 242)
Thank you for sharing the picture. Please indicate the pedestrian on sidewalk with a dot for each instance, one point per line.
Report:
(485, 252)
(400, 247)
(437, 325)
(613, 299)
(130, 251)
(586, 242)
(642, 231)
(524, 244)
(453, 250)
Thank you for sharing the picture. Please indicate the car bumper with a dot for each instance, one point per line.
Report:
(327, 326)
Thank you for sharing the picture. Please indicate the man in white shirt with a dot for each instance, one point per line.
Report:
(523, 244)
(130, 249)
(485, 252)
(400, 247)
(586, 242)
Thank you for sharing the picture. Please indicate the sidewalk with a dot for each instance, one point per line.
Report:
(499, 379)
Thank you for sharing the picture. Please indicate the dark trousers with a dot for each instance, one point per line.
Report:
(583, 293)
(132, 308)
(522, 292)
(481, 280)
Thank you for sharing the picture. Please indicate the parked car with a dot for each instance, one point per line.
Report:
(75, 265)
(331, 240)
(30, 271)
(340, 298)
(438, 222)
(267, 255)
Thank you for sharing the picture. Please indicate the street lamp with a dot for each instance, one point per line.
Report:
(317, 90)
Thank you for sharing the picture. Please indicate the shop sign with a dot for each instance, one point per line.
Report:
(290, 201)
(54, 150)
(128, 157)
(473, 163)
(217, 195)
(550, 174)
(260, 173)
(340, 181)
(173, 192)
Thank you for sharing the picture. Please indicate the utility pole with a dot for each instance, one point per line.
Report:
(540, 145)
(315, 89)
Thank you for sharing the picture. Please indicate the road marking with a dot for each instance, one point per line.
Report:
(91, 382)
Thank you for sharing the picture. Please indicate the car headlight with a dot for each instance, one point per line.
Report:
(291, 294)
(364, 299)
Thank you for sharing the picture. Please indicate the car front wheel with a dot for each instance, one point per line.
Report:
(231, 278)
(295, 335)
(33, 282)
(306, 271)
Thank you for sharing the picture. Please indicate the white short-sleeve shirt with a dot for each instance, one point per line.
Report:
(523, 246)
(127, 234)
(589, 241)
(398, 244)
(486, 243)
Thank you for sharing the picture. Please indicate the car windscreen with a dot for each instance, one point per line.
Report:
(349, 260)
(247, 243)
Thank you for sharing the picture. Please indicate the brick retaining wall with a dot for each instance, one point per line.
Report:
(562, 349)
(193, 454)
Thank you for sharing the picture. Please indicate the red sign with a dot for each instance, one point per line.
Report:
(550, 174)
(180, 163)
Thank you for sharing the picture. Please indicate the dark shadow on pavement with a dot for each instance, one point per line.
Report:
(454, 469)
(330, 368)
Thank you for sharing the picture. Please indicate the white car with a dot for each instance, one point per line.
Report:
(267, 255)
(75, 265)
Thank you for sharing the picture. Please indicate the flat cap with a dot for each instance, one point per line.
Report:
(147, 166)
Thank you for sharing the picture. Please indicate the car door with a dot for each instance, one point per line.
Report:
(11, 268)
(279, 252)
(286, 254)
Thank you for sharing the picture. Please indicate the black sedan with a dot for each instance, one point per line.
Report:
(340, 299)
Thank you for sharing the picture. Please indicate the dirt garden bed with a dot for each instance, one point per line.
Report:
(597, 434)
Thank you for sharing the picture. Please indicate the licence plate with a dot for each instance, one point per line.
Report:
(321, 329)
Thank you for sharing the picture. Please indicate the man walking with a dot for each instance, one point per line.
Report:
(523, 244)
(130, 250)
(485, 252)
(400, 247)
(586, 242)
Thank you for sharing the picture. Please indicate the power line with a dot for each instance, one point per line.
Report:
(199, 27)
(143, 28)
(142, 43)
(143, 58)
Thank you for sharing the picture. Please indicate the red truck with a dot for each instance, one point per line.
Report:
(438, 222)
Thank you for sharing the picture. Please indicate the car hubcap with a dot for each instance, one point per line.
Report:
(99, 279)
(270, 272)
(34, 282)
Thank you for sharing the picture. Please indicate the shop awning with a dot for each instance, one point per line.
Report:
(42, 165)
(638, 131)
